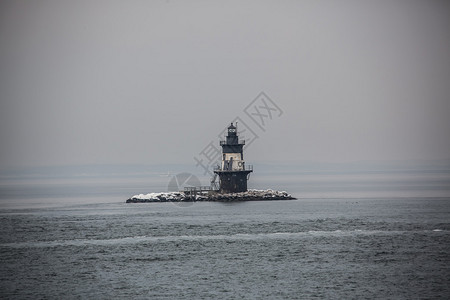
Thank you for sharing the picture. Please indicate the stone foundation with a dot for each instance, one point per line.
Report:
(250, 195)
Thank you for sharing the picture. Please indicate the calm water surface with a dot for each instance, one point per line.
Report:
(369, 237)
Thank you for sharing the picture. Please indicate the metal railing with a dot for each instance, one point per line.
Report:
(240, 142)
(244, 168)
(194, 190)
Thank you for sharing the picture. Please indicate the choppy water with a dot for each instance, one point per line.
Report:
(336, 246)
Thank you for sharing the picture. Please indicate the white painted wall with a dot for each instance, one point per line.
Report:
(238, 163)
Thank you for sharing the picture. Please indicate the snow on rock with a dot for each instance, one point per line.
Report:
(158, 197)
(250, 195)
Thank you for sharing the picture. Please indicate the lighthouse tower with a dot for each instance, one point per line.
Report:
(233, 174)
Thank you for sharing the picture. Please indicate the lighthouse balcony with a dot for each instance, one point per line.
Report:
(242, 168)
(240, 142)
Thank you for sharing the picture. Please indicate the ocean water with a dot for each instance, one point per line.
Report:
(351, 236)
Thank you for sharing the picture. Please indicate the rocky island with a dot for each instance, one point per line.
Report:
(233, 175)
(250, 195)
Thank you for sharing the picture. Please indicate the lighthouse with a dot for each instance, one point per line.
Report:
(233, 173)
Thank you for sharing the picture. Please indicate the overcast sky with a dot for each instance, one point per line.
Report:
(119, 82)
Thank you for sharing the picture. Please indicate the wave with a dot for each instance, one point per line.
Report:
(176, 238)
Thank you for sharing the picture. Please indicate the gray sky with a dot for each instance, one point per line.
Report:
(147, 82)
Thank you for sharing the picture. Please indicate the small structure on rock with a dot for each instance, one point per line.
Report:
(233, 173)
(233, 176)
